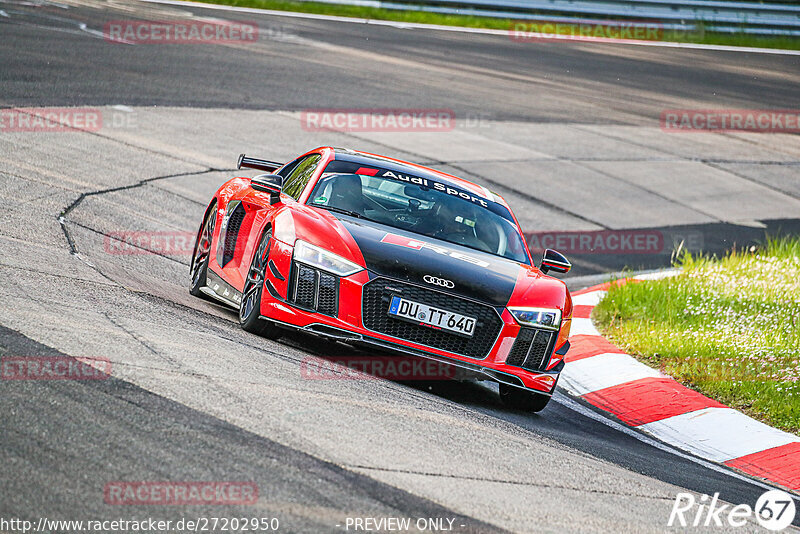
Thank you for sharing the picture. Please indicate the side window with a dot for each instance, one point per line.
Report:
(297, 179)
(288, 168)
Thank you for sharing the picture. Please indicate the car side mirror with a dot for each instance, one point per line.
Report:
(268, 183)
(554, 261)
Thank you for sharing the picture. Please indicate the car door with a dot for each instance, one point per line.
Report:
(251, 214)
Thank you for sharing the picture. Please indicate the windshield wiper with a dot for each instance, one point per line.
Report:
(343, 211)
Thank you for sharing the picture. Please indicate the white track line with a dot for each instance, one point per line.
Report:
(604, 371)
(588, 299)
(575, 406)
(460, 29)
(658, 275)
(718, 434)
(583, 327)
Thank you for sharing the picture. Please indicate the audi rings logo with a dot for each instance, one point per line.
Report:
(438, 281)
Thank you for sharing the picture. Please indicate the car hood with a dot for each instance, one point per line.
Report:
(433, 263)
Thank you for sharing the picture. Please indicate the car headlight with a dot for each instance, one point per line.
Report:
(323, 259)
(539, 317)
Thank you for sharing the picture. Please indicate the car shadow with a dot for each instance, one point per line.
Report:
(445, 381)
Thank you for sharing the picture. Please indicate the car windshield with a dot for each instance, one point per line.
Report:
(420, 205)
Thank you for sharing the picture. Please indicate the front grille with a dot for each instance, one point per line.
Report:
(378, 294)
(314, 290)
(305, 286)
(532, 349)
(328, 293)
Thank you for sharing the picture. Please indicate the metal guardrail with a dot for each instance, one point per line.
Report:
(713, 15)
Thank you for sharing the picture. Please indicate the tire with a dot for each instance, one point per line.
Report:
(202, 253)
(522, 399)
(250, 305)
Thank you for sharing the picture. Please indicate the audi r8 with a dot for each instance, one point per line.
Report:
(366, 249)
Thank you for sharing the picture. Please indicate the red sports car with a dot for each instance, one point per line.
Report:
(367, 249)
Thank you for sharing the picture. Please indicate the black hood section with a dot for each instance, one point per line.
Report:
(491, 284)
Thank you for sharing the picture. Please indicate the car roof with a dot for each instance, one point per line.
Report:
(392, 164)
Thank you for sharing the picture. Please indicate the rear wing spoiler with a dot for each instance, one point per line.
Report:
(260, 164)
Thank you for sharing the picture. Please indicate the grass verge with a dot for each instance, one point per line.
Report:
(729, 328)
(422, 17)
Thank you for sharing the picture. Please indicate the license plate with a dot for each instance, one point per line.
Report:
(430, 316)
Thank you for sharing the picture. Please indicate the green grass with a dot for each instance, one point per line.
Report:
(728, 327)
(485, 22)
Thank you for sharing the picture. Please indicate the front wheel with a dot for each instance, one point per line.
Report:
(202, 252)
(250, 306)
(522, 399)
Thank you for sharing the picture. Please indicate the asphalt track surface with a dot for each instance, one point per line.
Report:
(194, 398)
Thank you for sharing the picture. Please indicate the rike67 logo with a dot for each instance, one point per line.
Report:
(774, 510)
